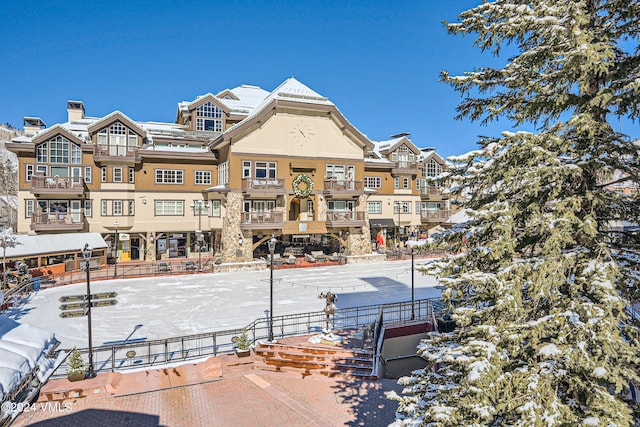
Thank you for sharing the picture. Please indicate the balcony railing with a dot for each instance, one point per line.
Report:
(262, 220)
(435, 215)
(57, 185)
(263, 185)
(405, 166)
(343, 187)
(116, 154)
(345, 218)
(57, 221)
(431, 191)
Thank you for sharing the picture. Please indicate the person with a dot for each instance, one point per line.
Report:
(379, 239)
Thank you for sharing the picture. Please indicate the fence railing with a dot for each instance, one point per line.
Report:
(124, 271)
(130, 354)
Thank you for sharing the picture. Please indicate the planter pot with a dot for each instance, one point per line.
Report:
(242, 353)
(79, 376)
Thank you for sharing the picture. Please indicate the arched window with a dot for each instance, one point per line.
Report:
(117, 140)
(55, 155)
(209, 117)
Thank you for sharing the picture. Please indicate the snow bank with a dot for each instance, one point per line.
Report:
(23, 350)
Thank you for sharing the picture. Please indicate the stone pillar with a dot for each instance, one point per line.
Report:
(150, 242)
(231, 231)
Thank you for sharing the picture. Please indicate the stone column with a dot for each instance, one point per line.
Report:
(231, 231)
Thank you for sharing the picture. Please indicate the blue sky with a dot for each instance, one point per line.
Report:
(379, 62)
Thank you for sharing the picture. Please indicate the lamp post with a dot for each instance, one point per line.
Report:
(413, 311)
(86, 253)
(115, 265)
(198, 207)
(272, 248)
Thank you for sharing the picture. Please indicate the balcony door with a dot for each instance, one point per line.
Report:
(76, 210)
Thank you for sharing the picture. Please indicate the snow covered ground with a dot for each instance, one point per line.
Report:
(162, 307)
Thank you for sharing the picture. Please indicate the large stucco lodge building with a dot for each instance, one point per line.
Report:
(285, 162)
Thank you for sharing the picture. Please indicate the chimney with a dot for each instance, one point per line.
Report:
(401, 135)
(33, 125)
(75, 111)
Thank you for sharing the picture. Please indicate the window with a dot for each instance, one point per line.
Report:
(42, 155)
(340, 205)
(405, 182)
(209, 118)
(117, 207)
(417, 183)
(374, 207)
(124, 207)
(169, 207)
(29, 206)
(104, 174)
(310, 207)
(59, 150)
(28, 172)
(432, 168)
(266, 170)
(88, 208)
(117, 174)
(215, 208)
(42, 169)
(417, 207)
(117, 140)
(401, 207)
(223, 173)
(76, 154)
(396, 182)
(132, 175)
(203, 177)
(335, 171)
(246, 169)
(169, 176)
(87, 174)
(373, 181)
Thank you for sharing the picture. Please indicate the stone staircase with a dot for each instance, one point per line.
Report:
(312, 359)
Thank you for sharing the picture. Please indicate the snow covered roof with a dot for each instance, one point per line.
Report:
(29, 245)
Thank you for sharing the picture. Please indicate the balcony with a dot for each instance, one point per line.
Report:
(435, 215)
(262, 220)
(116, 154)
(263, 186)
(431, 192)
(345, 219)
(57, 186)
(42, 222)
(404, 167)
(343, 188)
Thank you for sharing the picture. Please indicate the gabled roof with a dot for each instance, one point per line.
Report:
(291, 93)
(432, 154)
(109, 119)
(207, 98)
(54, 130)
(385, 147)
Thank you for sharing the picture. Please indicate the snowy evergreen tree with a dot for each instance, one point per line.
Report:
(539, 293)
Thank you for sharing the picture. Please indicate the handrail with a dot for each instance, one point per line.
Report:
(134, 354)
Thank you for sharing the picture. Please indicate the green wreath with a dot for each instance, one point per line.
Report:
(302, 192)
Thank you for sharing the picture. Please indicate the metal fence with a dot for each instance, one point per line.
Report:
(132, 354)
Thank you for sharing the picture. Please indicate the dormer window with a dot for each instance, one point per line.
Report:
(117, 140)
(432, 168)
(209, 118)
(58, 150)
